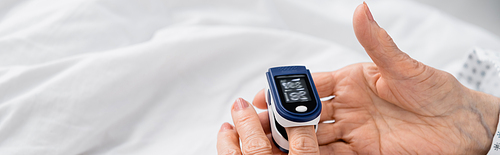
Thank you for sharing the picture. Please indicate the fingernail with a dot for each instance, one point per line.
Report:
(368, 12)
(240, 104)
(225, 126)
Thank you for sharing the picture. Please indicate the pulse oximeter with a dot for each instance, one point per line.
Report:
(292, 100)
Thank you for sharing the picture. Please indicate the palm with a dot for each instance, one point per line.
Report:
(374, 116)
(397, 105)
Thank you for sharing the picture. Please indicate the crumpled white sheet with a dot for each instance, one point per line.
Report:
(159, 77)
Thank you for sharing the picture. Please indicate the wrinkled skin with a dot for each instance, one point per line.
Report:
(397, 105)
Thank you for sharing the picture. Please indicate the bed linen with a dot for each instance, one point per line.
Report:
(159, 76)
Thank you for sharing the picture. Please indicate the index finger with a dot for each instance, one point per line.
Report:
(247, 124)
(302, 140)
(323, 81)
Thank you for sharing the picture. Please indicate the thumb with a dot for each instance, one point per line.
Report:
(390, 60)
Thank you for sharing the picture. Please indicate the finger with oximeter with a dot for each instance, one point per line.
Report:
(292, 100)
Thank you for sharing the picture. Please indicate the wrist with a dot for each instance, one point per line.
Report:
(488, 106)
(487, 109)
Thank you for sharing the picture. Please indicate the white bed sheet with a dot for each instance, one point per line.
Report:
(159, 77)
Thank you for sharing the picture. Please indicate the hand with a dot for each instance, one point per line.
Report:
(398, 105)
(257, 141)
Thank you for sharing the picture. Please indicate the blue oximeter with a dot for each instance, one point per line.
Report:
(292, 100)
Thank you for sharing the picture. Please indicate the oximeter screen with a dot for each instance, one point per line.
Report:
(294, 88)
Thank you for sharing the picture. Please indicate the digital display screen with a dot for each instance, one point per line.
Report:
(294, 88)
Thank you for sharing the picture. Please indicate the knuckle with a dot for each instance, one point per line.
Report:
(304, 144)
(257, 146)
(244, 119)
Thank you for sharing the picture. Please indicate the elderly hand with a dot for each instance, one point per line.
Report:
(255, 135)
(397, 105)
